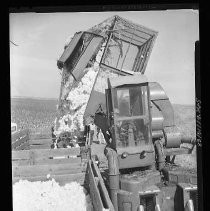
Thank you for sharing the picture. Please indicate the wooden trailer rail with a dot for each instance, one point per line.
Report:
(40, 143)
(64, 165)
(98, 191)
(20, 140)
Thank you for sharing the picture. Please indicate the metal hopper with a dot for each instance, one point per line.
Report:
(118, 46)
(127, 47)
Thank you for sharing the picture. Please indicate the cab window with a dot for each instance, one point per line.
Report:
(131, 115)
(132, 101)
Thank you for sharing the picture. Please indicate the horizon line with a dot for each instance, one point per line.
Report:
(48, 98)
(51, 98)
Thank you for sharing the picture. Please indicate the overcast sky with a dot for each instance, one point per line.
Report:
(41, 38)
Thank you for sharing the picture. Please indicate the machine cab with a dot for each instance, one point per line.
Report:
(128, 104)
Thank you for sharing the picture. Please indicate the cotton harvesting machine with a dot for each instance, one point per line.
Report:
(136, 119)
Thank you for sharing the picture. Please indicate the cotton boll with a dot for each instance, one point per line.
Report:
(98, 57)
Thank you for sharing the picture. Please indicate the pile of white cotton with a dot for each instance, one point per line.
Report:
(49, 196)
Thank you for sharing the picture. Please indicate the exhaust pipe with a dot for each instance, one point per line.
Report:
(114, 178)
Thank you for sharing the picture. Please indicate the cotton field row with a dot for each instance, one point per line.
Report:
(35, 114)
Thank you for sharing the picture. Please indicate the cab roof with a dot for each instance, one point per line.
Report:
(137, 78)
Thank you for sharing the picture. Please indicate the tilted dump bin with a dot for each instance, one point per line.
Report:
(115, 46)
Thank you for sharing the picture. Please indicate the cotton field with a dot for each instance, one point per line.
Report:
(50, 196)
